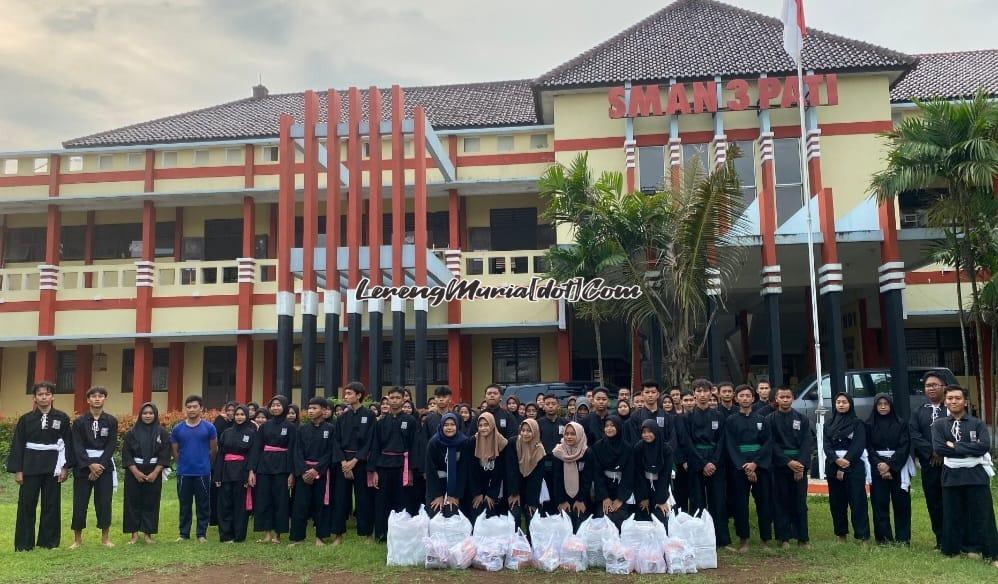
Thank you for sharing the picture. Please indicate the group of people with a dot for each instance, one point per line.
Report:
(712, 447)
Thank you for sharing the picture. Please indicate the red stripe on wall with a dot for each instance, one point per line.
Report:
(948, 277)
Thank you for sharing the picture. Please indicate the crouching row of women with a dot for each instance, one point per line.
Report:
(487, 473)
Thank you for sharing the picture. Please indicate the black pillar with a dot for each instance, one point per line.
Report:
(836, 366)
(420, 366)
(285, 341)
(398, 342)
(713, 341)
(309, 355)
(894, 316)
(333, 354)
(354, 333)
(375, 309)
(775, 345)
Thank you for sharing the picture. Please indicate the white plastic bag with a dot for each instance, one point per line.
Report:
(650, 559)
(554, 527)
(619, 559)
(490, 552)
(405, 538)
(462, 554)
(677, 554)
(520, 553)
(682, 526)
(501, 527)
(703, 540)
(573, 554)
(546, 554)
(594, 531)
(634, 533)
(452, 529)
(437, 553)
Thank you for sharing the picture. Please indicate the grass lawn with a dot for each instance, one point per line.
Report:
(359, 561)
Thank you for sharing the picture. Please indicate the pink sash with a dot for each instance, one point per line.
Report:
(269, 448)
(406, 480)
(249, 490)
(325, 497)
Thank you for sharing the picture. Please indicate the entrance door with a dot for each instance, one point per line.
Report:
(219, 379)
(223, 240)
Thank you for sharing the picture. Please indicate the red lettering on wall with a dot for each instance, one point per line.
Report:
(832, 89)
(616, 99)
(679, 103)
(769, 88)
(739, 87)
(645, 101)
(813, 83)
(791, 93)
(704, 97)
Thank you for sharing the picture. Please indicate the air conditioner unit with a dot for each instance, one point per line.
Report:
(911, 219)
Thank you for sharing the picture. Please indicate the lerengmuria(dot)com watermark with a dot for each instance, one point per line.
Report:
(573, 290)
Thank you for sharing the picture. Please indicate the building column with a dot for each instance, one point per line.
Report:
(354, 306)
(269, 389)
(285, 241)
(375, 307)
(331, 299)
(88, 247)
(422, 305)
(310, 235)
(398, 233)
(830, 290)
(892, 284)
(714, 337)
(83, 377)
(145, 274)
(46, 357)
(175, 379)
(247, 277)
(453, 256)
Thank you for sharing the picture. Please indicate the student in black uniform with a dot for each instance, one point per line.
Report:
(595, 421)
(487, 471)
(726, 397)
(845, 445)
(652, 473)
(353, 434)
(552, 427)
(467, 423)
(628, 433)
(438, 407)
(447, 467)
(506, 423)
(764, 391)
(525, 472)
(391, 451)
(95, 435)
(968, 512)
(888, 447)
(513, 406)
(793, 443)
(573, 474)
(703, 452)
(930, 463)
(230, 473)
(746, 436)
(41, 455)
(145, 452)
(270, 474)
(612, 473)
(223, 421)
(311, 458)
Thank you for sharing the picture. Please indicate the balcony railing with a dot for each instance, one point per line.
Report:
(504, 266)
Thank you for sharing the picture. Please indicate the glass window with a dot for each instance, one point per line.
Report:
(10, 166)
(170, 159)
(651, 168)
(233, 155)
(516, 360)
(789, 188)
(506, 144)
(24, 244)
(860, 386)
(472, 144)
(937, 347)
(72, 241)
(75, 163)
(436, 363)
(538, 141)
(136, 160)
(745, 167)
(41, 165)
(65, 374)
(202, 157)
(105, 162)
(881, 382)
(269, 153)
(160, 369)
(698, 153)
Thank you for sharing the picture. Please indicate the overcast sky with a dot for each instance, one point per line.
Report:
(74, 68)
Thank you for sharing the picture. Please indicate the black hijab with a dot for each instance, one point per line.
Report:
(237, 426)
(146, 434)
(842, 425)
(284, 402)
(653, 456)
(884, 426)
(608, 451)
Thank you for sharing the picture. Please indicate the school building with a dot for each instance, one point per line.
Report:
(189, 254)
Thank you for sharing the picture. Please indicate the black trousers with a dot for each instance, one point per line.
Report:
(681, 488)
(363, 497)
(390, 496)
(761, 491)
(415, 492)
(576, 517)
(969, 521)
(849, 494)
(309, 504)
(193, 489)
(271, 508)
(522, 516)
(499, 508)
(233, 518)
(140, 512)
(932, 486)
(709, 493)
(102, 490)
(49, 528)
(883, 496)
(213, 503)
(790, 506)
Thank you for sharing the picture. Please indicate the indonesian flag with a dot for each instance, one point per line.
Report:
(793, 28)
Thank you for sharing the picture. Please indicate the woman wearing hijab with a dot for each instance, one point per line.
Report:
(145, 452)
(259, 418)
(487, 470)
(230, 473)
(447, 458)
(845, 455)
(582, 409)
(525, 473)
(652, 473)
(513, 406)
(270, 472)
(531, 411)
(612, 473)
(629, 433)
(573, 478)
(888, 447)
(467, 423)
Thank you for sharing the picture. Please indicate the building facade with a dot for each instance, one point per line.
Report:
(148, 259)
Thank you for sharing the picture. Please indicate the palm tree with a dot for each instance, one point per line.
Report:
(953, 145)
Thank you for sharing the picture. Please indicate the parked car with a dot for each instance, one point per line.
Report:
(528, 392)
(862, 385)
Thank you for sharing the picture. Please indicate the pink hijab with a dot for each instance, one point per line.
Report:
(570, 455)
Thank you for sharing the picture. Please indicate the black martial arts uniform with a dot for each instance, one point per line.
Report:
(313, 449)
(528, 487)
(391, 452)
(762, 408)
(439, 483)
(270, 461)
(94, 442)
(887, 441)
(846, 433)
(746, 438)
(231, 468)
(352, 432)
(486, 478)
(920, 430)
(968, 511)
(551, 433)
(559, 495)
(613, 474)
(34, 452)
(146, 447)
(790, 433)
(221, 424)
(726, 411)
(652, 474)
(629, 432)
(703, 443)
(593, 425)
(507, 423)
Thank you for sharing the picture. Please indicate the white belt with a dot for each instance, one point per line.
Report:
(114, 469)
(652, 477)
(442, 474)
(59, 446)
(864, 458)
(613, 475)
(152, 460)
(971, 462)
(907, 471)
(95, 453)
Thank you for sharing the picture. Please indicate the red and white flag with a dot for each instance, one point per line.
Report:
(793, 28)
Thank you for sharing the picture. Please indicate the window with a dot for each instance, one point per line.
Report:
(24, 244)
(160, 369)
(72, 240)
(861, 386)
(65, 373)
(105, 162)
(937, 347)
(745, 167)
(233, 155)
(41, 166)
(651, 168)
(506, 143)
(136, 160)
(365, 149)
(696, 153)
(75, 163)
(170, 158)
(269, 153)
(124, 240)
(480, 239)
(10, 166)
(513, 228)
(516, 360)
(437, 227)
(789, 187)
(436, 363)
(472, 144)
(320, 366)
(202, 157)
(538, 141)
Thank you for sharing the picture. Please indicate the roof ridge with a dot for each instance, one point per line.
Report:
(967, 52)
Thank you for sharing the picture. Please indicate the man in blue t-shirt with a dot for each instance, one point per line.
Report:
(195, 443)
